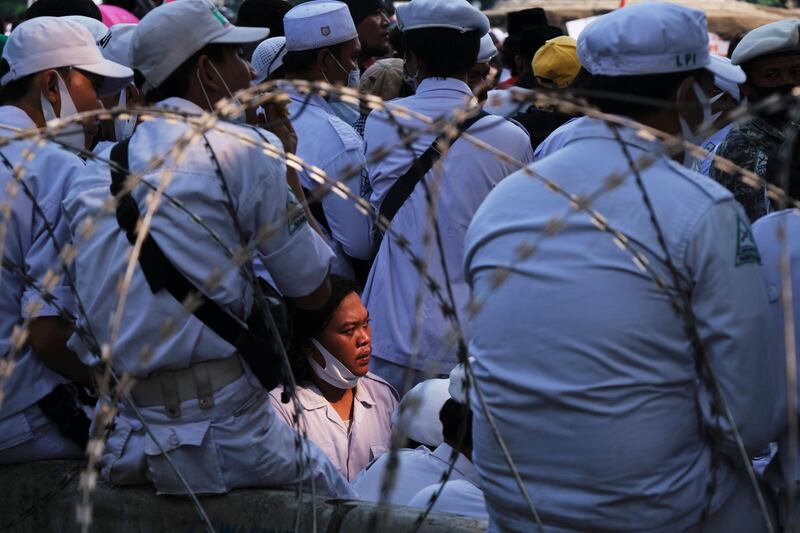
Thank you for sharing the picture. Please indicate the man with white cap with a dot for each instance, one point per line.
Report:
(268, 59)
(770, 55)
(442, 408)
(322, 45)
(441, 39)
(204, 404)
(51, 68)
(580, 349)
(482, 75)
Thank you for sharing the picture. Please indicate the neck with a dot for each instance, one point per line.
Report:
(461, 77)
(466, 451)
(33, 111)
(331, 393)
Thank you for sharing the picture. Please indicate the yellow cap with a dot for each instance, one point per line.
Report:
(556, 62)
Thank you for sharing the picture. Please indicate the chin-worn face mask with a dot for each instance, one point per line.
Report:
(123, 129)
(686, 131)
(73, 134)
(238, 118)
(334, 373)
(409, 79)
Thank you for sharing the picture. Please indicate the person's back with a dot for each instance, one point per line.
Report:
(467, 174)
(596, 395)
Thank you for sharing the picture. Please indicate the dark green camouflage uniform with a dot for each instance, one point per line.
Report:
(749, 146)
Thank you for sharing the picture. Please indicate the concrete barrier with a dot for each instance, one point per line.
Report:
(42, 497)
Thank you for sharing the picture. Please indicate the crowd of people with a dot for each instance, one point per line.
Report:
(510, 269)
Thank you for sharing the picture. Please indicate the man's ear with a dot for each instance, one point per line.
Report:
(208, 77)
(48, 85)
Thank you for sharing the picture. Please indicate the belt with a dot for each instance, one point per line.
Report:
(200, 381)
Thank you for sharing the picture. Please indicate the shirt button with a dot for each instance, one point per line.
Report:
(772, 292)
(174, 440)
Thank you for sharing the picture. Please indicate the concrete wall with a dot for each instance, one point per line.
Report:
(41, 497)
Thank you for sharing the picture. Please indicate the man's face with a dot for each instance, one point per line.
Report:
(774, 71)
(373, 32)
(234, 69)
(337, 67)
(83, 88)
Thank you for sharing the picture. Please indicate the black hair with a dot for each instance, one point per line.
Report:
(14, 90)
(177, 83)
(444, 51)
(510, 51)
(631, 96)
(301, 61)
(263, 14)
(453, 416)
(308, 324)
(396, 41)
(61, 8)
(534, 38)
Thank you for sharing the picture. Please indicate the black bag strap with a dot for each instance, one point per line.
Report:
(158, 270)
(405, 184)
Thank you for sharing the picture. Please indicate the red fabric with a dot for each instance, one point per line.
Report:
(510, 82)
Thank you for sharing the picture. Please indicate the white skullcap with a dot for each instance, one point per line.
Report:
(651, 38)
(487, 50)
(268, 57)
(171, 33)
(420, 412)
(454, 14)
(43, 43)
(318, 24)
(778, 37)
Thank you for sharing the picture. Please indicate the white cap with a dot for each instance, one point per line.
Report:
(650, 38)
(43, 43)
(268, 57)
(727, 76)
(171, 33)
(487, 50)
(454, 14)
(778, 37)
(420, 412)
(318, 24)
(95, 27)
(116, 45)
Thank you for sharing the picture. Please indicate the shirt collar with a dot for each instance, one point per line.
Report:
(14, 117)
(312, 398)
(463, 465)
(437, 84)
(599, 129)
(313, 99)
(180, 105)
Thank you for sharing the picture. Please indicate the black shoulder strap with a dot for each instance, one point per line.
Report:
(159, 271)
(405, 184)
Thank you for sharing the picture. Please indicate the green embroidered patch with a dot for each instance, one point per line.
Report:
(746, 249)
(297, 217)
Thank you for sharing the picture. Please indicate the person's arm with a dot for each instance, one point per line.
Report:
(48, 338)
(731, 307)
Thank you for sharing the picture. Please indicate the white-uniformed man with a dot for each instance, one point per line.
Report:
(772, 249)
(420, 468)
(50, 68)
(441, 41)
(322, 45)
(201, 403)
(587, 368)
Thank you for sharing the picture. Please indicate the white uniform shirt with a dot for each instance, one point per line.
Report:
(586, 365)
(416, 469)
(556, 140)
(350, 447)
(49, 175)
(326, 141)
(295, 256)
(469, 173)
(765, 231)
(459, 496)
(703, 166)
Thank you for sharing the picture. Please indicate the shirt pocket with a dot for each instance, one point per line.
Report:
(117, 466)
(192, 452)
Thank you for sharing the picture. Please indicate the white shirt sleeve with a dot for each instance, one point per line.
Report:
(730, 303)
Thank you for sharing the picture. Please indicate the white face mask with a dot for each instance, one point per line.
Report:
(240, 117)
(353, 76)
(123, 129)
(686, 130)
(73, 134)
(334, 373)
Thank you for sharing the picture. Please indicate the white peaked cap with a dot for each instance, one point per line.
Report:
(650, 38)
(420, 412)
(116, 45)
(318, 24)
(487, 50)
(95, 27)
(171, 33)
(43, 43)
